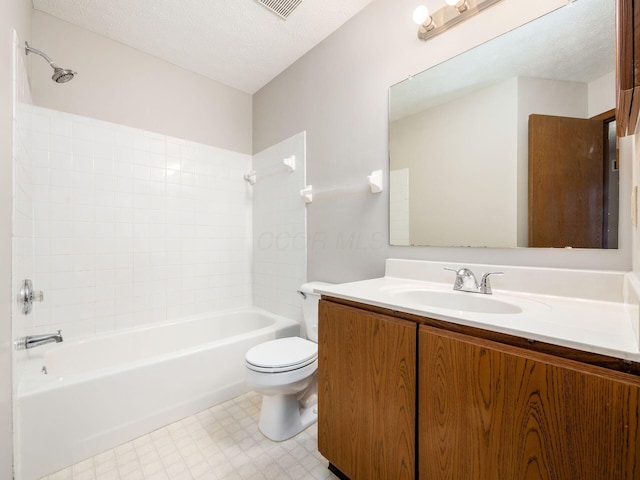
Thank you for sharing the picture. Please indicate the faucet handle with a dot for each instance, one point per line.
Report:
(465, 279)
(458, 282)
(485, 284)
(461, 272)
(28, 295)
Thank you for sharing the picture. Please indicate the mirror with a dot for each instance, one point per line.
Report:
(512, 143)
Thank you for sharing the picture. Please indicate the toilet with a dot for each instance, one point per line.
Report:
(284, 371)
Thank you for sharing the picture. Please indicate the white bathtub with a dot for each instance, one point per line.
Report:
(109, 389)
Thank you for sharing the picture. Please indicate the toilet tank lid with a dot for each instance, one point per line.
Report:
(310, 286)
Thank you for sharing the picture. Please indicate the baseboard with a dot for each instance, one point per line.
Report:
(333, 469)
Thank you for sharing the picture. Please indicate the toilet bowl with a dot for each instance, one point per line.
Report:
(284, 371)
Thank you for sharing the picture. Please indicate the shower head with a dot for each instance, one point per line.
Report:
(60, 75)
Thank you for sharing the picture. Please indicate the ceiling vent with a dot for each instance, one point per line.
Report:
(282, 8)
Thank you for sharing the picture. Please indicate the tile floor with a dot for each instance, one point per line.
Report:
(221, 443)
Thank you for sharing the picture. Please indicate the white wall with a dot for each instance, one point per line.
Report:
(279, 227)
(133, 227)
(14, 15)
(473, 140)
(123, 85)
(602, 94)
(399, 207)
(338, 93)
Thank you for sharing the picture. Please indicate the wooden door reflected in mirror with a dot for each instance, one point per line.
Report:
(570, 172)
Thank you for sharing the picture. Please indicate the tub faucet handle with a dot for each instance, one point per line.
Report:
(28, 295)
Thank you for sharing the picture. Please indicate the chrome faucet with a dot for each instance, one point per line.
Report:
(37, 340)
(466, 281)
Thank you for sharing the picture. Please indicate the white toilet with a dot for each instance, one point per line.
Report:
(284, 371)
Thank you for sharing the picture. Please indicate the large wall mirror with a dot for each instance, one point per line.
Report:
(512, 143)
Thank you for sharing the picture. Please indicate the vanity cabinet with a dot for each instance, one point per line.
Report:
(491, 411)
(402, 396)
(366, 393)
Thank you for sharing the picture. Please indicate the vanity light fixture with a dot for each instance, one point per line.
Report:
(460, 5)
(451, 14)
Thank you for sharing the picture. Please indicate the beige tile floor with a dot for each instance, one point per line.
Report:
(221, 443)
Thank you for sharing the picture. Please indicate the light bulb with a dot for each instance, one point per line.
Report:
(420, 14)
(460, 5)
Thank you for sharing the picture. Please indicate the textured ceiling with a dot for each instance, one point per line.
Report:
(574, 43)
(236, 42)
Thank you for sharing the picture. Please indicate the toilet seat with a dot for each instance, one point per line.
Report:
(281, 355)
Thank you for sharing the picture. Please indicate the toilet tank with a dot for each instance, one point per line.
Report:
(310, 308)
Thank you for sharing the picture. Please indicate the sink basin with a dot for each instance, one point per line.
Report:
(460, 301)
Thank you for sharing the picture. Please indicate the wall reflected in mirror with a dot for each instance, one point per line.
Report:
(511, 144)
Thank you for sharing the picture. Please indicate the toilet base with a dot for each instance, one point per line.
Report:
(282, 416)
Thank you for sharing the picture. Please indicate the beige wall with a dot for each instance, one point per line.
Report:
(14, 15)
(338, 93)
(483, 197)
(122, 85)
(602, 94)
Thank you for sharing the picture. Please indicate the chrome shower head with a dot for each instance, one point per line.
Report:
(60, 75)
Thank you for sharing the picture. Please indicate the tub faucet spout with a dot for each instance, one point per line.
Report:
(37, 340)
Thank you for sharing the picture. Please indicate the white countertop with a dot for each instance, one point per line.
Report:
(604, 327)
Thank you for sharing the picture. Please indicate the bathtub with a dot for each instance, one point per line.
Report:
(105, 390)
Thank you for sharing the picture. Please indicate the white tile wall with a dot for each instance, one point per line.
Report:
(279, 228)
(23, 195)
(132, 227)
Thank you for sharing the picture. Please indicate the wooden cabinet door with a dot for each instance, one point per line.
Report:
(366, 393)
(488, 411)
(627, 61)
